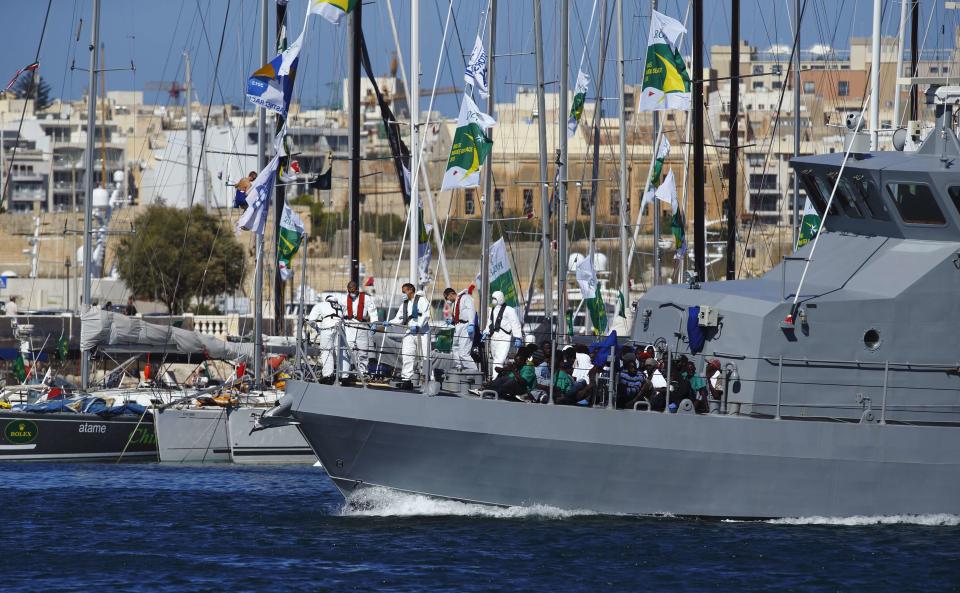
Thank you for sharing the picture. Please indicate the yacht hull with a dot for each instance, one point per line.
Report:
(275, 445)
(26, 436)
(616, 461)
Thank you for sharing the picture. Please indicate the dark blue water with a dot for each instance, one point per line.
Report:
(156, 528)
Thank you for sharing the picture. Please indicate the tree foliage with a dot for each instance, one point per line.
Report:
(177, 256)
(24, 89)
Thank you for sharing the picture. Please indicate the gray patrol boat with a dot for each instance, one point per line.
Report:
(844, 400)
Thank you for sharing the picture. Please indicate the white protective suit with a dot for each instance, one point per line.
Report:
(326, 319)
(359, 311)
(503, 327)
(415, 316)
(463, 316)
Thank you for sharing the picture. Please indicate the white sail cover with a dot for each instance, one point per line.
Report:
(99, 328)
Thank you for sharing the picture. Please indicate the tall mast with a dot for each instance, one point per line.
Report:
(901, 41)
(261, 163)
(279, 190)
(655, 205)
(103, 119)
(414, 101)
(597, 115)
(624, 181)
(914, 57)
(796, 118)
(699, 230)
(354, 140)
(732, 177)
(188, 117)
(88, 184)
(488, 174)
(875, 79)
(563, 109)
(544, 186)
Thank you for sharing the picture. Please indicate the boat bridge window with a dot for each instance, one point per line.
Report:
(955, 196)
(845, 195)
(812, 185)
(916, 203)
(870, 196)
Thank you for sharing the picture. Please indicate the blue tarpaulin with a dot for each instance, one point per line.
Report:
(694, 334)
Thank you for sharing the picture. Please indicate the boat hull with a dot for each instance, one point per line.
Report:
(26, 436)
(218, 435)
(616, 461)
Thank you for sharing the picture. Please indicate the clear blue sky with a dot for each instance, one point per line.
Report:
(153, 34)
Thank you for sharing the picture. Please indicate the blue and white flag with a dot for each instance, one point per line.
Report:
(476, 71)
(254, 218)
(271, 87)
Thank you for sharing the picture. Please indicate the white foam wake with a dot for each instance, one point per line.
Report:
(932, 520)
(384, 502)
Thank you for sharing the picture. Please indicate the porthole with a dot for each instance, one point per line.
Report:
(871, 339)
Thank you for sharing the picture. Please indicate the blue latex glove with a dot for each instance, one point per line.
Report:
(470, 330)
(517, 343)
(484, 336)
(450, 321)
(414, 329)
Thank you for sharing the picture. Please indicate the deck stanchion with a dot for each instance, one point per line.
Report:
(779, 384)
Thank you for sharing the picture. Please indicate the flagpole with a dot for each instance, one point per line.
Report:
(548, 309)
(657, 264)
(696, 107)
(280, 190)
(188, 117)
(261, 163)
(624, 185)
(484, 296)
(88, 186)
(562, 164)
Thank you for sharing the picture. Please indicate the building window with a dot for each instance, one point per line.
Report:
(777, 69)
(614, 202)
(843, 89)
(469, 206)
(763, 181)
(758, 69)
(776, 84)
(498, 202)
(585, 202)
(758, 84)
(528, 201)
(809, 88)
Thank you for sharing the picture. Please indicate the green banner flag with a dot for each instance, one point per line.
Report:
(809, 224)
(470, 147)
(501, 276)
(19, 369)
(666, 83)
(598, 312)
(579, 97)
(288, 243)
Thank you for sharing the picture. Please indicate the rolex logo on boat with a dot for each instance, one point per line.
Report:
(20, 432)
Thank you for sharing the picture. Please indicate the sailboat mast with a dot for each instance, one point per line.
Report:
(655, 204)
(914, 56)
(696, 106)
(901, 41)
(595, 169)
(732, 177)
(279, 190)
(488, 174)
(796, 118)
(875, 78)
(624, 181)
(88, 184)
(544, 186)
(188, 118)
(563, 109)
(414, 100)
(356, 33)
(261, 163)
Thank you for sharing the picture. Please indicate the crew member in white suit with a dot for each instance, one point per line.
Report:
(503, 331)
(359, 312)
(414, 315)
(462, 320)
(325, 318)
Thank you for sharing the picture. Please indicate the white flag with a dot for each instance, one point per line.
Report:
(587, 278)
(667, 192)
(662, 152)
(476, 71)
(254, 218)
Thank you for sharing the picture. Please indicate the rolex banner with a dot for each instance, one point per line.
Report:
(662, 152)
(666, 83)
(809, 224)
(590, 292)
(501, 277)
(579, 97)
(332, 10)
(291, 235)
(470, 147)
